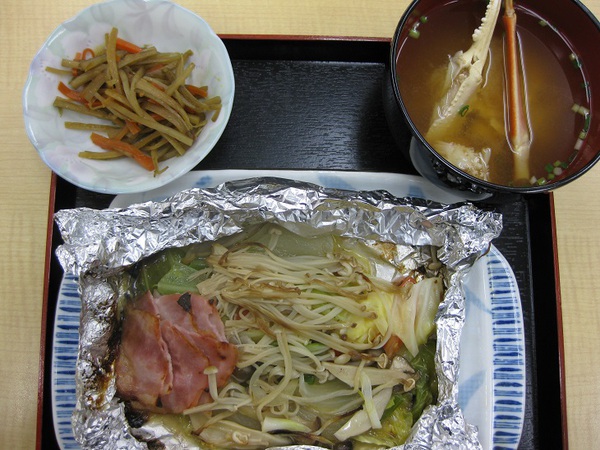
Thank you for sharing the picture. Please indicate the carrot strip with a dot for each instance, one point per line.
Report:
(112, 144)
(127, 46)
(133, 127)
(87, 52)
(70, 93)
(75, 71)
(408, 280)
(197, 91)
(155, 68)
(76, 95)
(518, 126)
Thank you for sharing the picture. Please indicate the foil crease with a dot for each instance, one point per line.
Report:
(100, 244)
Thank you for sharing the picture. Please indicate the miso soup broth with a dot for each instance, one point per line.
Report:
(553, 79)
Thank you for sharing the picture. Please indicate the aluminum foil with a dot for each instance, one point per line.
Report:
(100, 244)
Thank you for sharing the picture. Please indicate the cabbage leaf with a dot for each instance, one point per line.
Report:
(413, 317)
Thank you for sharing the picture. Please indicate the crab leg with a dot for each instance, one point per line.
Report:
(464, 74)
(518, 123)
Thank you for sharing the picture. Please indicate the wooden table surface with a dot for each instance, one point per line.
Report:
(25, 188)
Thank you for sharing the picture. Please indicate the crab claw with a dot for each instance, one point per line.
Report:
(464, 74)
(467, 159)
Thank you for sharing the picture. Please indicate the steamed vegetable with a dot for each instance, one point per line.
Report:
(405, 408)
(311, 319)
(362, 420)
(414, 314)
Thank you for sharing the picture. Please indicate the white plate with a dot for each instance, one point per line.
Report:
(492, 371)
(161, 23)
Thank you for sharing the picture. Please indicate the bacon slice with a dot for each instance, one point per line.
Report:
(191, 353)
(184, 335)
(143, 366)
(222, 355)
(192, 312)
(145, 303)
(189, 362)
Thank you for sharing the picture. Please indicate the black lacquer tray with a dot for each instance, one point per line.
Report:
(316, 104)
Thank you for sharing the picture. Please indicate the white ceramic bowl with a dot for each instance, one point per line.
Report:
(161, 23)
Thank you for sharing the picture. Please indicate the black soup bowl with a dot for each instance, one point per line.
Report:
(569, 32)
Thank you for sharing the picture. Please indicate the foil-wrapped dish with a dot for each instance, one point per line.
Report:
(268, 313)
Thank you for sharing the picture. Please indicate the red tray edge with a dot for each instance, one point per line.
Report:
(46, 290)
(559, 324)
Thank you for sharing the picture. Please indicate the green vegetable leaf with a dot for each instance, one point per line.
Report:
(149, 273)
(180, 278)
(405, 408)
(426, 389)
(395, 426)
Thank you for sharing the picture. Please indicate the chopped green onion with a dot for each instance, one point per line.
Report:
(463, 111)
(582, 134)
(579, 109)
(541, 181)
(423, 19)
(554, 170)
(414, 33)
(543, 23)
(575, 60)
(572, 157)
(586, 86)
